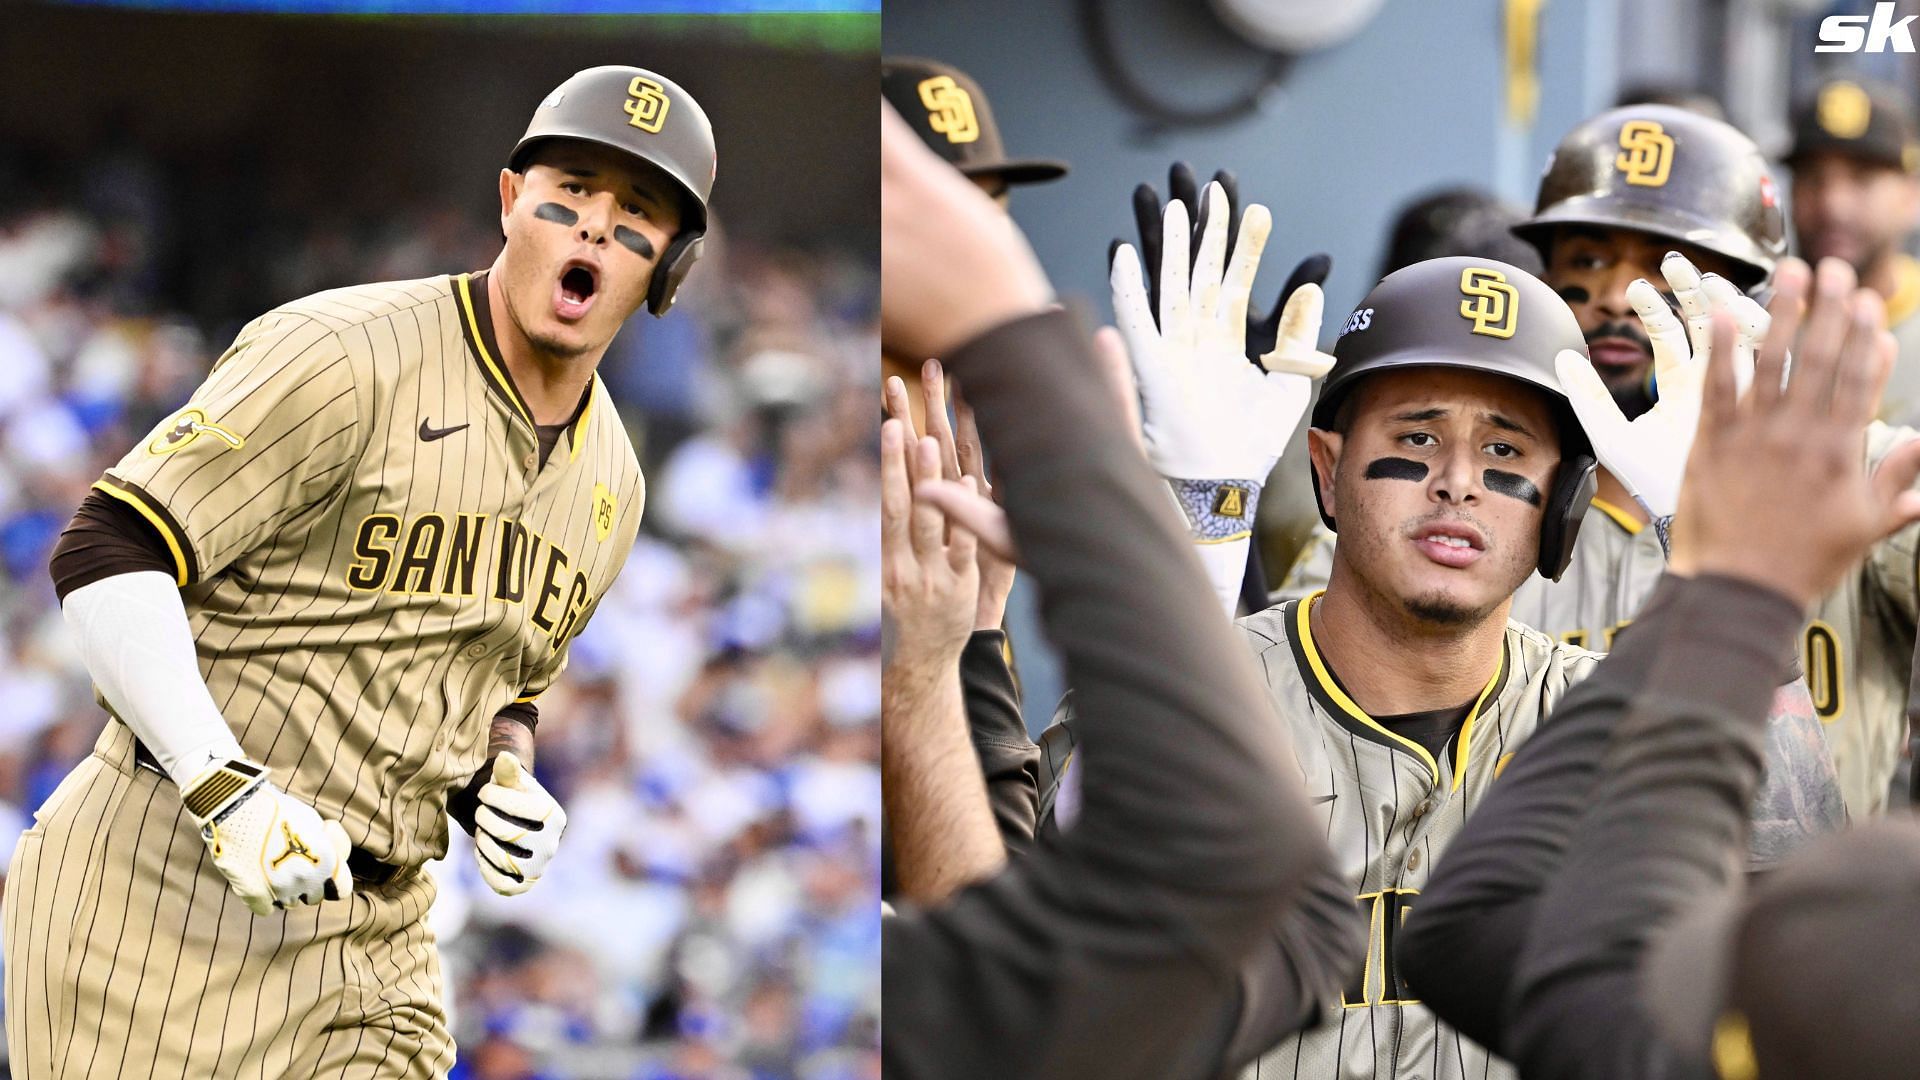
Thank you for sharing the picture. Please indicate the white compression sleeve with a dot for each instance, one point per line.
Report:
(133, 635)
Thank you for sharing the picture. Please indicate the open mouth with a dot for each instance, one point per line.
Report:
(1450, 545)
(574, 293)
(1616, 352)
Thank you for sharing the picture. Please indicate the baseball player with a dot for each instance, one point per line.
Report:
(1856, 196)
(320, 602)
(1623, 189)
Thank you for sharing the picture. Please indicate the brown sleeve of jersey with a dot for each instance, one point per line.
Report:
(1009, 760)
(1108, 951)
(106, 537)
(462, 804)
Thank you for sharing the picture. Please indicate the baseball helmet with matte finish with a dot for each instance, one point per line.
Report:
(1482, 315)
(1669, 173)
(650, 117)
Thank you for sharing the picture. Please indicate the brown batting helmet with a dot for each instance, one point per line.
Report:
(1481, 315)
(1668, 172)
(649, 117)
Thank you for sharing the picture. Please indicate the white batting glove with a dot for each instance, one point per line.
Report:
(1649, 453)
(274, 850)
(1207, 414)
(517, 828)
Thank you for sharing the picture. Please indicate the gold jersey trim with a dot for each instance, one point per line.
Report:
(1620, 517)
(1323, 685)
(185, 567)
(475, 337)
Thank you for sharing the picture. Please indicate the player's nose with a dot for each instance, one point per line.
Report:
(1451, 477)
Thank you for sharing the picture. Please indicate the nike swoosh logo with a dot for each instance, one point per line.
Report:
(429, 433)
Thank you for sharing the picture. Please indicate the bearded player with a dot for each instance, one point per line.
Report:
(320, 602)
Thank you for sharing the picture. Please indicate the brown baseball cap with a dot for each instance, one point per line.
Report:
(1868, 121)
(949, 112)
(1814, 971)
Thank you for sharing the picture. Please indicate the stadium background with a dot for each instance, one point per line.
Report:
(1421, 96)
(165, 176)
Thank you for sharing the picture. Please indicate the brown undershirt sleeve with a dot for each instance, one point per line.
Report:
(106, 537)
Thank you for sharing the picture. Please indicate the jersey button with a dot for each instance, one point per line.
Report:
(476, 650)
(527, 462)
(1424, 806)
(1413, 861)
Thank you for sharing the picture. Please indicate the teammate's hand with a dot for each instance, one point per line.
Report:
(274, 850)
(1648, 453)
(517, 828)
(1206, 414)
(961, 456)
(930, 577)
(1776, 490)
(1184, 187)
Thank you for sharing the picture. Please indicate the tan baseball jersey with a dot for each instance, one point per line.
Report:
(374, 561)
(1856, 650)
(1390, 808)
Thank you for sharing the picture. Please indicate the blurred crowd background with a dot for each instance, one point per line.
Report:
(714, 911)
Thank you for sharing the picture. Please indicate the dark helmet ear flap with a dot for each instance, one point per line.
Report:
(1573, 488)
(680, 256)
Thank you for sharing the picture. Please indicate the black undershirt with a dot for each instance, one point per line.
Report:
(1433, 729)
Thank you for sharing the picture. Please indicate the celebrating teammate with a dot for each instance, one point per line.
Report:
(320, 601)
(1602, 225)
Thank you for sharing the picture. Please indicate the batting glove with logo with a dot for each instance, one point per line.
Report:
(1648, 454)
(516, 829)
(274, 850)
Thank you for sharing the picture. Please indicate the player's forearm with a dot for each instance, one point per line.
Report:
(938, 818)
(1009, 759)
(1669, 810)
(1799, 796)
(133, 635)
(511, 732)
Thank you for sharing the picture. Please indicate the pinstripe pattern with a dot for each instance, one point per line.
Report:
(1390, 811)
(1857, 649)
(363, 601)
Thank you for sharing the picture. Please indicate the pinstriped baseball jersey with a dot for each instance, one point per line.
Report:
(1856, 650)
(1616, 562)
(1390, 809)
(372, 557)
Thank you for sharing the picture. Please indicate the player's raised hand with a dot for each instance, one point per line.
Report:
(274, 850)
(1648, 453)
(1776, 490)
(1149, 214)
(930, 578)
(516, 829)
(1206, 414)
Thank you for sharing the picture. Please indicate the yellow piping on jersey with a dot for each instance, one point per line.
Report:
(473, 324)
(580, 425)
(1303, 629)
(173, 543)
(1620, 517)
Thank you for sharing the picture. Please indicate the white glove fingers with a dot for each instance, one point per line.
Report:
(503, 830)
(1671, 350)
(1256, 224)
(1752, 323)
(1685, 281)
(532, 808)
(1210, 261)
(1175, 300)
(503, 872)
(1296, 349)
(1132, 311)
